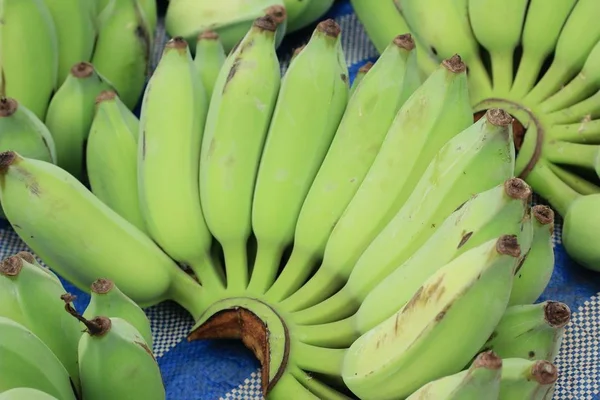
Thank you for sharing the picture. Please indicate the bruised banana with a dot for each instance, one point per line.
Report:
(70, 116)
(209, 59)
(25, 393)
(310, 105)
(527, 379)
(168, 182)
(26, 361)
(480, 381)
(451, 178)
(107, 299)
(410, 348)
(531, 331)
(30, 295)
(82, 239)
(247, 87)
(111, 157)
(366, 120)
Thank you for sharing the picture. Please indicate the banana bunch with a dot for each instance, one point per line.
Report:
(231, 19)
(537, 59)
(366, 239)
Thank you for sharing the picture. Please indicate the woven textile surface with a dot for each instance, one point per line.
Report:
(210, 370)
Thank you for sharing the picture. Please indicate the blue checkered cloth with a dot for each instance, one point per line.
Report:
(210, 370)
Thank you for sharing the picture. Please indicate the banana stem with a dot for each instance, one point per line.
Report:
(588, 108)
(576, 90)
(581, 155)
(207, 273)
(576, 182)
(295, 272)
(551, 187)
(502, 72)
(335, 334)
(586, 131)
(527, 73)
(341, 305)
(265, 267)
(236, 265)
(93, 327)
(321, 360)
(188, 293)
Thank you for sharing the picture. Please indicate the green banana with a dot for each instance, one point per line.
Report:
(111, 157)
(362, 72)
(356, 143)
(499, 38)
(123, 48)
(527, 379)
(530, 331)
(287, 384)
(543, 25)
(28, 54)
(575, 154)
(150, 9)
(75, 33)
(170, 202)
(454, 174)
(209, 59)
(480, 381)
(115, 362)
(108, 300)
(246, 86)
(312, 11)
(315, 386)
(25, 393)
(25, 361)
(410, 348)
(497, 211)
(70, 115)
(580, 184)
(82, 239)
(533, 275)
(310, 105)
(30, 295)
(585, 131)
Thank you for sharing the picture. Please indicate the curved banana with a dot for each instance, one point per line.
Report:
(70, 115)
(497, 211)
(92, 240)
(315, 386)
(111, 157)
(247, 87)
(454, 174)
(411, 348)
(585, 131)
(26, 393)
(25, 361)
(75, 33)
(123, 48)
(480, 381)
(108, 300)
(580, 221)
(310, 104)
(31, 296)
(208, 59)
(170, 199)
(531, 331)
(28, 54)
(356, 143)
(527, 379)
(534, 273)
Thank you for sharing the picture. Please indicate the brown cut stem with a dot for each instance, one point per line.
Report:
(95, 327)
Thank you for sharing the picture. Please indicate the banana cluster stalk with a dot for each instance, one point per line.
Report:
(539, 60)
(364, 239)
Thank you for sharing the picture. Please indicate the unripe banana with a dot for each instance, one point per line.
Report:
(208, 59)
(411, 348)
(310, 104)
(247, 87)
(531, 331)
(527, 379)
(533, 275)
(115, 362)
(455, 173)
(75, 33)
(149, 7)
(108, 300)
(28, 54)
(123, 48)
(480, 381)
(500, 210)
(82, 239)
(362, 72)
(70, 116)
(30, 295)
(111, 157)
(25, 393)
(309, 13)
(356, 143)
(25, 361)
(170, 202)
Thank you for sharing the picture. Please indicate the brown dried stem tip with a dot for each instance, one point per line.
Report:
(543, 214)
(544, 372)
(97, 326)
(517, 188)
(208, 35)
(488, 359)
(455, 64)
(82, 70)
(8, 107)
(7, 158)
(298, 50)
(508, 245)
(405, 41)
(366, 68)
(27, 256)
(277, 13)
(498, 117)
(329, 27)
(177, 42)
(106, 95)
(102, 286)
(11, 266)
(265, 23)
(557, 314)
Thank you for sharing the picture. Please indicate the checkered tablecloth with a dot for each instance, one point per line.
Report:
(211, 370)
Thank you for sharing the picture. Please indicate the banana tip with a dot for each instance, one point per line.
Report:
(7, 158)
(544, 372)
(517, 188)
(8, 107)
(105, 95)
(266, 23)
(277, 13)
(82, 70)
(543, 214)
(557, 314)
(11, 266)
(488, 360)
(27, 256)
(208, 35)
(455, 64)
(177, 42)
(498, 117)
(508, 245)
(102, 286)
(366, 67)
(329, 27)
(405, 41)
